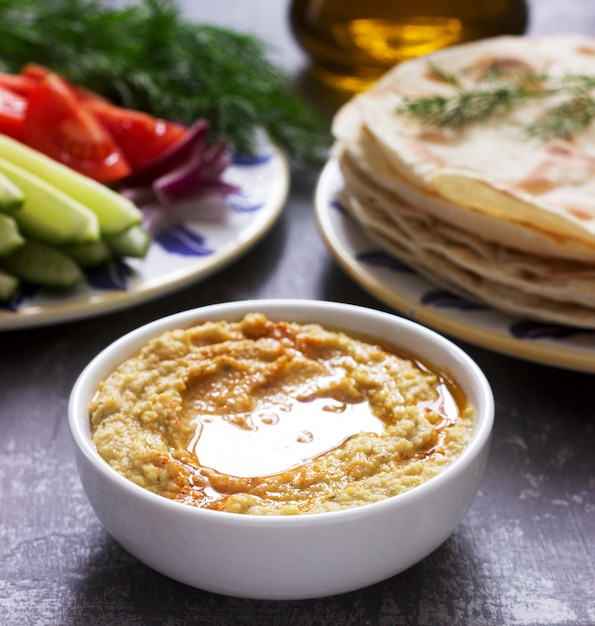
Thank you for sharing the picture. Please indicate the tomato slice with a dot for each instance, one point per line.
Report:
(141, 137)
(35, 71)
(58, 125)
(17, 83)
(32, 73)
(12, 114)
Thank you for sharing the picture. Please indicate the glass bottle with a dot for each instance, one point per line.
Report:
(352, 42)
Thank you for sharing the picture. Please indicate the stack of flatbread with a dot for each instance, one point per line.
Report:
(484, 209)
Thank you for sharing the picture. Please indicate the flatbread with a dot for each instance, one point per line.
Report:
(517, 235)
(493, 166)
(434, 263)
(482, 210)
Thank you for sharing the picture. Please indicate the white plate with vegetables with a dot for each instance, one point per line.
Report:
(160, 142)
(210, 235)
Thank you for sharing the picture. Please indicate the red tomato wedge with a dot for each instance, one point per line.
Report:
(35, 72)
(13, 108)
(32, 73)
(17, 83)
(59, 125)
(141, 137)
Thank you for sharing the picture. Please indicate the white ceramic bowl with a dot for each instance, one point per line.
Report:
(292, 557)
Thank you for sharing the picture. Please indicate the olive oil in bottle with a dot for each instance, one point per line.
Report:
(353, 42)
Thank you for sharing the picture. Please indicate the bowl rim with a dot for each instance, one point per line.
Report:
(127, 344)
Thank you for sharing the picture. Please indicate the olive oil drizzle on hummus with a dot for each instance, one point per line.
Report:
(279, 436)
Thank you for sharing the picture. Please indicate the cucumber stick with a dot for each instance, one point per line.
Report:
(10, 237)
(48, 213)
(133, 242)
(114, 212)
(43, 265)
(89, 254)
(11, 197)
(8, 285)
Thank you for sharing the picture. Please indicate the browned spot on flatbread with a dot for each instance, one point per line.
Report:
(586, 49)
(501, 64)
(561, 165)
(423, 154)
(580, 214)
(435, 135)
(536, 184)
(558, 148)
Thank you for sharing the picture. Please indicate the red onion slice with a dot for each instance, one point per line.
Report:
(172, 157)
(200, 175)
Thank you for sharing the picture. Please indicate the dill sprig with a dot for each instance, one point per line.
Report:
(466, 107)
(497, 92)
(147, 57)
(568, 117)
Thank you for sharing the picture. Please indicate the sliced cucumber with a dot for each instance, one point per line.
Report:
(11, 197)
(8, 285)
(43, 265)
(88, 254)
(133, 242)
(114, 212)
(10, 236)
(49, 214)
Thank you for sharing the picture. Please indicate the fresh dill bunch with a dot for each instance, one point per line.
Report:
(145, 56)
(497, 92)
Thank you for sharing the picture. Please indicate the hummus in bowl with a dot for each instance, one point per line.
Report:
(266, 417)
(240, 448)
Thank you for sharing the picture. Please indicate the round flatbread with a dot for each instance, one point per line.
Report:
(483, 208)
(364, 160)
